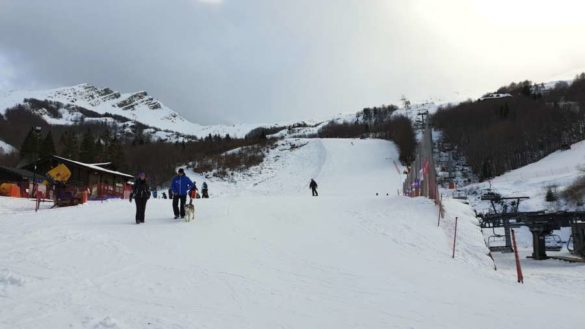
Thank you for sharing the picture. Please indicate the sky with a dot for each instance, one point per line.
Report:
(259, 61)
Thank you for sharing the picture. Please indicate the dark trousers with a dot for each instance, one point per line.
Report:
(140, 209)
(179, 211)
(205, 193)
(315, 192)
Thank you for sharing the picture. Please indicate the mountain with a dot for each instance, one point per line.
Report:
(85, 102)
(5, 147)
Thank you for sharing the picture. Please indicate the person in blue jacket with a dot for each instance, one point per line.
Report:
(181, 185)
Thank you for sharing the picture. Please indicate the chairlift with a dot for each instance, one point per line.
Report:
(553, 242)
(571, 245)
(460, 195)
(497, 242)
(491, 196)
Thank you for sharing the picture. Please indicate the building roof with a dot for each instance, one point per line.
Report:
(93, 167)
(22, 173)
(102, 164)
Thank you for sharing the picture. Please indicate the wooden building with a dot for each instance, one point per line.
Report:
(99, 181)
(21, 178)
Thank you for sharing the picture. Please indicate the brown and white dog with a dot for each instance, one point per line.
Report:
(189, 212)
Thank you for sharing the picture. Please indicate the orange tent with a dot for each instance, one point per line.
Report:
(8, 189)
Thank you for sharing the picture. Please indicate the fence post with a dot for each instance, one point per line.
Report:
(518, 267)
(440, 206)
(38, 200)
(454, 238)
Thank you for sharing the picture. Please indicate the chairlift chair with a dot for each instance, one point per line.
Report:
(571, 245)
(553, 242)
(460, 195)
(497, 242)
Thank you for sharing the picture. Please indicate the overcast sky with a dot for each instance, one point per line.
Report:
(234, 61)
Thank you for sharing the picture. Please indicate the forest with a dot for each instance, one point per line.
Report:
(396, 128)
(498, 135)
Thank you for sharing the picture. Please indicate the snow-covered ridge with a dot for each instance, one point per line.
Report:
(138, 106)
(5, 147)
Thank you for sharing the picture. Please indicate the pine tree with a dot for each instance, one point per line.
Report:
(115, 154)
(70, 145)
(103, 147)
(27, 147)
(550, 195)
(29, 150)
(87, 150)
(47, 146)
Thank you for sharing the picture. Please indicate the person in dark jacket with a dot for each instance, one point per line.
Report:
(313, 186)
(140, 194)
(180, 186)
(204, 191)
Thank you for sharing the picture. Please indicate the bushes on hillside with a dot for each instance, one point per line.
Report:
(398, 129)
(160, 159)
(575, 193)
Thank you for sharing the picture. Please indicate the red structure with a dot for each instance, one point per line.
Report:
(96, 180)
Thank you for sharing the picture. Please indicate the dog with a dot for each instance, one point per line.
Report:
(189, 212)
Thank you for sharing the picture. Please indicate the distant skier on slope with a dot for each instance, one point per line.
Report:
(313, 186)
(180, 186)
(204, 191)
(140, 194)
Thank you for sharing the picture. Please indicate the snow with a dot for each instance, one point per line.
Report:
(263, 253)
(6, 148)
(144, 109)
(494, 96)
(559, 169)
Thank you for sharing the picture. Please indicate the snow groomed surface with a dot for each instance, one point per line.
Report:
(263, 253)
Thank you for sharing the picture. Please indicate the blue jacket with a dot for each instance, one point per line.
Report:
(181, 185)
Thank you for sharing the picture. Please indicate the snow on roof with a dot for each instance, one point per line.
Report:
(494, 96)
(93, 166)
(101, 164)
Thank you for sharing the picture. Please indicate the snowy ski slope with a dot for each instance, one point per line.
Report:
(263, 253)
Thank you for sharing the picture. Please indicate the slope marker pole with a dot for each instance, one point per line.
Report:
(518, 267)
(454, 238)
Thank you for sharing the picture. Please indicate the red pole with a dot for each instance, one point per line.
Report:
(455, 237)
(38, 202)
(518, 267)
(440, 204)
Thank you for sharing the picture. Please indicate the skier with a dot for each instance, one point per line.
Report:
(204, 191)
(313, 186)
(154, 193)
(140, 194)
(180, 186)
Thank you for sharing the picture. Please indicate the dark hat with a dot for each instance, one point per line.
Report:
(181, 171)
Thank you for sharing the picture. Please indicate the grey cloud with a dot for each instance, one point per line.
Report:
(265, 60)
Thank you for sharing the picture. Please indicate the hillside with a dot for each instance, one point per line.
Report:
(5, 147)
(263, 253)
(136, 107)
(523, 124)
